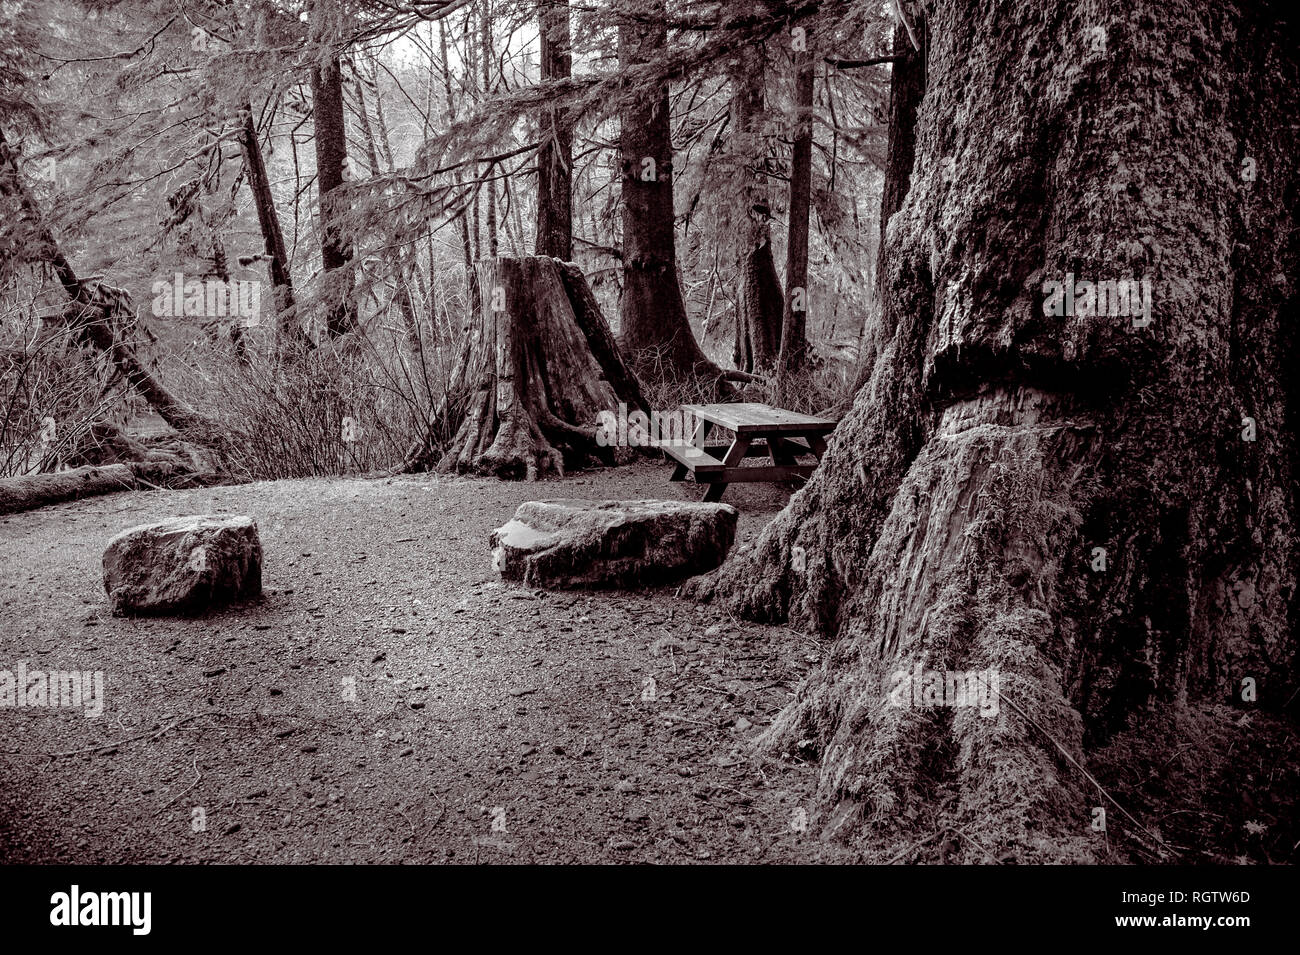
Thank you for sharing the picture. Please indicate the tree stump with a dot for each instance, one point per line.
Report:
(538, 366)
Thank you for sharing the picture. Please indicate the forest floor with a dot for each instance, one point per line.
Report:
(389, 699)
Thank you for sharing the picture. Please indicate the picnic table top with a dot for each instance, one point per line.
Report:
(757, 418)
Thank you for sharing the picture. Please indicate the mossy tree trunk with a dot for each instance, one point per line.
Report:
(655, 329)
(332, 170)
(794, 318)
(758, 319)
(1078, 503)
(555, 155)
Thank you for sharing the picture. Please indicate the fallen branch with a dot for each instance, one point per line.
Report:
(31, 491)
(732, 374)
(153, 733)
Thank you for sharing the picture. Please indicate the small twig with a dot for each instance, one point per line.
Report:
(685, 719)
(979, 844)
(910, 849)
(121, 742)
(197, 776)
(858, 64)
(1075, 763)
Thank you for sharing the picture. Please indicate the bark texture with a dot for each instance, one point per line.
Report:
(758, 325)
(957, 519)
(331, 168)
(906, 87)
(555, 155)
(31, 491)
(794, 319)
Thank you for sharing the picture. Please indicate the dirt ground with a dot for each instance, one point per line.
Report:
(389, 700)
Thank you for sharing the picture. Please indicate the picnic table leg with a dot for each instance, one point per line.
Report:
(736, 453)
(698, 428)
(783, 453)
(734, 457)
(818, 445)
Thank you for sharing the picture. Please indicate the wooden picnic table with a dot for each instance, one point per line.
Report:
(759, 430)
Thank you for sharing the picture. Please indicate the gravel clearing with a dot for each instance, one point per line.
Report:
(388, 699)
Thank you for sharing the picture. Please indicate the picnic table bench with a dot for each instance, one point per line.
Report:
(759, 430)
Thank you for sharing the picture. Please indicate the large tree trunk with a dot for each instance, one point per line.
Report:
(536, 373)
(794, 320)
(331, 167)
(487, 57)
(1075, 503)
(758, 322)
(555, 155)
(656, 333)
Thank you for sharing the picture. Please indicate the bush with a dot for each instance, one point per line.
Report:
(51, 393)
(342, 408)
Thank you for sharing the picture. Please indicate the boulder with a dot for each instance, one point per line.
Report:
(187, 565)
(573, 543)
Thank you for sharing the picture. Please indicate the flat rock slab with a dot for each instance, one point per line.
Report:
(628, 544)
(185, 565)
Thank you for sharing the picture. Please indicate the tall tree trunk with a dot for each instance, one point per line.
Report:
(657, 336)
(331, 168)
(288, 329)
(555, 155)
(490, 225)
(758, 322)
(794, 321)
(363, 119)
(906, 87)
(1100, 509)
(467, 245)
(381, 122)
